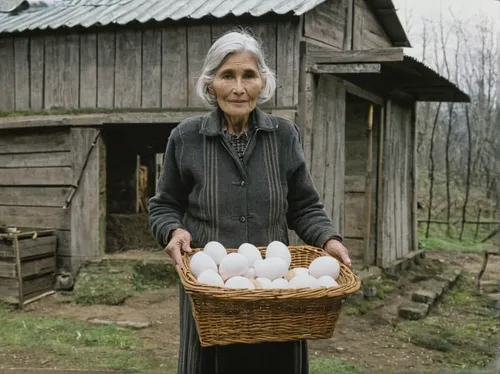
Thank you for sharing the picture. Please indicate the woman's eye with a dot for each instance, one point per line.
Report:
(227, 76)
(249, 76)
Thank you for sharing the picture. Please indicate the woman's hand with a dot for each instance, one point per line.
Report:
(180, 241)
(336, 249)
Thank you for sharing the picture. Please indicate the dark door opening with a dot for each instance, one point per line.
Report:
(132, 168)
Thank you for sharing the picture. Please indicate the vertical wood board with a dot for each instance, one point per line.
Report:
(22, 76)
(7, 75)
(267, 34)
(285, 64)
(36, 72)
(106, 48)
(151, 68)
(88, 70)
(174, 70)
(128, 69)
(85, 204)
(62, 59)
(199, 41)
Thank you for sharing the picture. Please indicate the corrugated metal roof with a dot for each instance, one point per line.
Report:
(52, 14)
(412, 77)
(25, 15)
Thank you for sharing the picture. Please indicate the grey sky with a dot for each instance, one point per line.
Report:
(411, 12)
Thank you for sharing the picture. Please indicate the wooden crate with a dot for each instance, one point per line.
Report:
(27, 265)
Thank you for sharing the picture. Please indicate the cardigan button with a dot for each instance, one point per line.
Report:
(243, 219)
(242, 183)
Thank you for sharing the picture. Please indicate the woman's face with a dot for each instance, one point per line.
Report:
(237, 85)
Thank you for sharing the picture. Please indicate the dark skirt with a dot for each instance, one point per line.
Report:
(264, 358)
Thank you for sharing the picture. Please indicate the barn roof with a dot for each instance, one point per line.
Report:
(28, 15)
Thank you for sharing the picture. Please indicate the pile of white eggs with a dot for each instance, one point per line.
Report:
(246, 269)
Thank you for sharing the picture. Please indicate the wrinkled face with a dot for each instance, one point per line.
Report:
(237, 85)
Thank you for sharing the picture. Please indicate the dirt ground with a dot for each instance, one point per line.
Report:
(366, 340)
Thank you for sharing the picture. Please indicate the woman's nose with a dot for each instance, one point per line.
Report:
(238, 87)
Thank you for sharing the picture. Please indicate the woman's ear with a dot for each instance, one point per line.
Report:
(211, 90)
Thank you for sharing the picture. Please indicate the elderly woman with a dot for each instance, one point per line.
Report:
(237, 175)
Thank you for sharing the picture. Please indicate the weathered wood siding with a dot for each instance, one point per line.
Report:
(327, 23)
(322, 117)
(368, 33)
(396, 229)
(356, 150)
(37, 168)
(152, 68)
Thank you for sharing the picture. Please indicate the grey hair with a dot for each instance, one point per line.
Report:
(233, 42)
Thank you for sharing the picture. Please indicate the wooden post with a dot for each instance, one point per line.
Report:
(414, 179)
(380, 189)
(368, 258)
(137, 184)
(19, 272)
(349, 25)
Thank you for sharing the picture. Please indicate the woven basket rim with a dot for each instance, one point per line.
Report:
(351, 284)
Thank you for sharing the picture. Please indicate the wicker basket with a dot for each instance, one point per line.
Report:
(226, 316)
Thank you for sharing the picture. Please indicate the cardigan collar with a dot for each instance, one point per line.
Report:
(212, 123)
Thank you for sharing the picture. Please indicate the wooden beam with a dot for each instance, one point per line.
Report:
(345, 68)
(364, 94)
(331, 56)
(117, 118)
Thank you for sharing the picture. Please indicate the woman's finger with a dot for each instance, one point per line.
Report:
(186, 245)
(177, 257)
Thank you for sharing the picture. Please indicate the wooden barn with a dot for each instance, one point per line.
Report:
(92, 88)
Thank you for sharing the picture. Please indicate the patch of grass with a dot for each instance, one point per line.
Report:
(323, 365)
(70, 343)
(437, 243)
(111, 283)
(462, 326)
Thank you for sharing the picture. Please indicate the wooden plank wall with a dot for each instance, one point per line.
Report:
(356, 147)
(396, 228)
(152, 68)
(35, 175)
(327, 23)
(37, 168)
(368, 33)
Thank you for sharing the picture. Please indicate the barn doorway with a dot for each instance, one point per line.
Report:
(133, 154)
(359, 229)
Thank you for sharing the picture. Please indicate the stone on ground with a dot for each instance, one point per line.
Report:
(413, 310)
(424, 296)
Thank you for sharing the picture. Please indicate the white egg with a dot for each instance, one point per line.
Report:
(233, 265)
(324, 265)
(250, 252)
(304, 281)
(279, 283)
(215, 250)
(301, 271)
(297, 271)
(271, 268)
(239, 282)
(200, 262)
(250, 274)
(280, 250)
(265, 283)
(211, 278)
(327, 281)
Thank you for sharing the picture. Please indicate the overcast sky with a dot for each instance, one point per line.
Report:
(411, 12)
